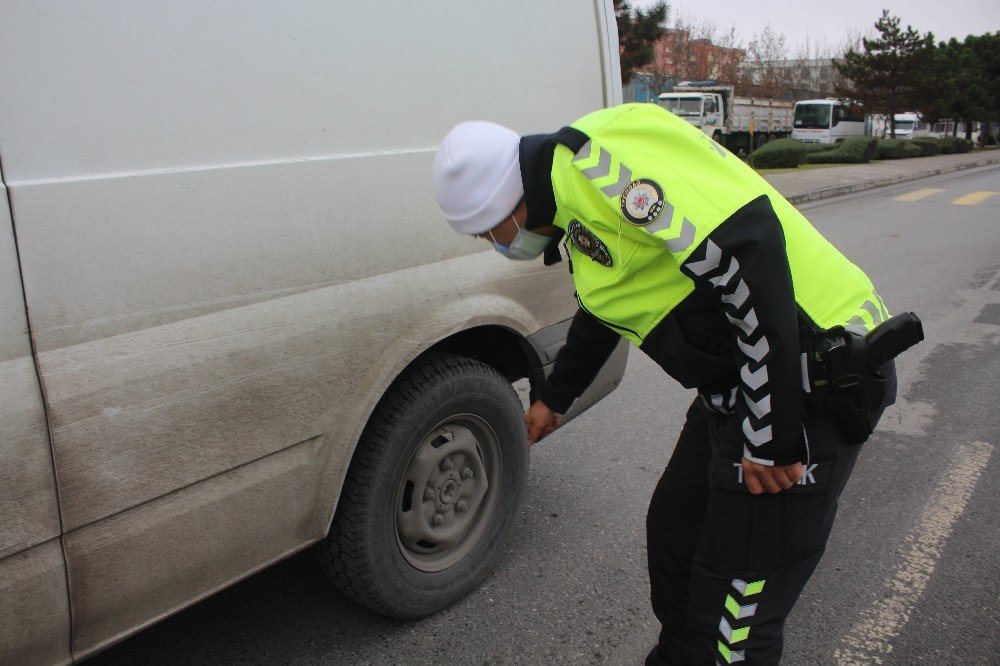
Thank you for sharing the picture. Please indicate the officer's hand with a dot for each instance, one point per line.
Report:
(540, 421)
(772, 479)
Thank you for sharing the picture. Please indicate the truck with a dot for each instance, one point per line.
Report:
(739, 123)
(909, 125)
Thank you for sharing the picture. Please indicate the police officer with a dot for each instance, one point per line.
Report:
(678, 246)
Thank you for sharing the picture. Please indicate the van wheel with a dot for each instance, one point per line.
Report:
(432, 491)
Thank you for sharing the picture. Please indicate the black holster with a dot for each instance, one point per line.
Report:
(852, 376)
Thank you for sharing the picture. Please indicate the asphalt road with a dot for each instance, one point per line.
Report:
(912, 571)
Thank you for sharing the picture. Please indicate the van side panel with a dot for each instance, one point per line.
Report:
(154, 551)
(34, 610)
(230, 249)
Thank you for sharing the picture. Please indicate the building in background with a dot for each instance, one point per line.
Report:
(789, 79)
(681, 57)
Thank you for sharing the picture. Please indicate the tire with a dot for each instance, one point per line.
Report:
(432, 491)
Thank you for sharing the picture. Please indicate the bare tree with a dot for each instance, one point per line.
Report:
(730, 55)
(852, 41)
(765, 73)
(695, 49)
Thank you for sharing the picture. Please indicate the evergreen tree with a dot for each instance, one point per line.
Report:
(986, 53)
(886, 76)
(953, 86)
(963, 83)
(638, 31)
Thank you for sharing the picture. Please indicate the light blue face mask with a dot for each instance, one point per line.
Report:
(526, 244)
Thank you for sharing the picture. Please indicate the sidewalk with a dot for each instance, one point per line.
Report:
(801, 186)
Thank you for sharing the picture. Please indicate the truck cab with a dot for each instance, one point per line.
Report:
(741, 124)
(909, 126)
(703, 110)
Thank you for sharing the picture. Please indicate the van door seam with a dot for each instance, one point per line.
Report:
(45, 408)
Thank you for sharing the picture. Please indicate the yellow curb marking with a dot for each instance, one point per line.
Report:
(974, 198)
(917, 195)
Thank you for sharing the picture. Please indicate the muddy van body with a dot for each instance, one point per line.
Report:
(227, 298)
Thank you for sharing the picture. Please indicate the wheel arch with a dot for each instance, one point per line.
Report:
(496, 345)
(510, 353)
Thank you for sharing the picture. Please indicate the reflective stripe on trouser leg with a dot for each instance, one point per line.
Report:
(753, 557)
(735, 623)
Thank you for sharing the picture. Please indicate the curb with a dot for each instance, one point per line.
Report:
(840, 190)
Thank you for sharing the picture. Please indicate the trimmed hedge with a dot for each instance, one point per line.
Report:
(855, 150)
(952, 144)
(779, 154)
(789, 153)
(929, 145)
(891, 149)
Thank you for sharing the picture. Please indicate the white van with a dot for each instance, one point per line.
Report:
(231, 314)
(908, 126)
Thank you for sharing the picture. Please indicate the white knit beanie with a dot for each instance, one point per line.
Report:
(477, 176)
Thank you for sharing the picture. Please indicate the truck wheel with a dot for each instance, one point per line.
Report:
(432, 491)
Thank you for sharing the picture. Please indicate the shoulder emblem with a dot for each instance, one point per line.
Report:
(589, 244)
(642, 202)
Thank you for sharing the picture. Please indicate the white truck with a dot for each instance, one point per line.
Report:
(738, 123)
(909, 125)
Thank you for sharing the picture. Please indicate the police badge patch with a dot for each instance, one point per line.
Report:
(642, 202)
(586, 242)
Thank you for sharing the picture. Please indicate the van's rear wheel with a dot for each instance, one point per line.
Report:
(433, 489)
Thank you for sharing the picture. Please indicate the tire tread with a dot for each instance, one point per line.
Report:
(342, 554)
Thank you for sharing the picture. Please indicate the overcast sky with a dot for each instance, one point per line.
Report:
(830, 23)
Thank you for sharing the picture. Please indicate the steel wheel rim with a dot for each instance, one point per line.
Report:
(448, 492)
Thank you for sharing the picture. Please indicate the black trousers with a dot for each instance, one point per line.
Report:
(725, 566)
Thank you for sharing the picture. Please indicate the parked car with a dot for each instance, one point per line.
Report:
(233, 323)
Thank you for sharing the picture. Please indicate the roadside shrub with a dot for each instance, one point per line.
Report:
(949, 144)
(819, 147)
(779, 154)
(891, 149)
(929, 145)
(826, 157)
(954, 144)
(855, 150)
(911, 149)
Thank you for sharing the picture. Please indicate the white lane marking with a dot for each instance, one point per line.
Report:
(870, 639)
